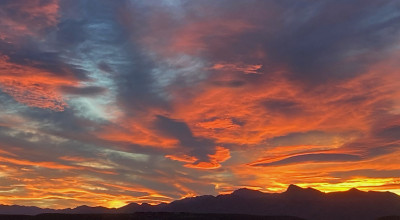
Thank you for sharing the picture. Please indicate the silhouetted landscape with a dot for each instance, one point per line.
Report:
(294, 203)
(146, 216)
(127, 109)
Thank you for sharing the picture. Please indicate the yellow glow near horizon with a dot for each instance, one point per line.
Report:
(116, 204)
(361, 183)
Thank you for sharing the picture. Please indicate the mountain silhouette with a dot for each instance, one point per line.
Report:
(306, 203)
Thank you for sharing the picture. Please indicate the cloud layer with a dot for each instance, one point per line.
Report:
(111, 102)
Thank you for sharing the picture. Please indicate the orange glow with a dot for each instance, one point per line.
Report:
(50, 165)
(32, 86)
(361, 183)
(35, 16)
(222, 154)
(182, 158)
(246, 69)
(136, 132)
(45, 192)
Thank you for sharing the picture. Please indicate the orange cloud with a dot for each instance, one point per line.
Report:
(93, 167)
(219, 123)
(33, 86)
(182, 158)
(74, 159)
(246, 69)
(72, 189)
(135, 131)
(20, 18)
(242, 101)
(237, 115)
(221, 154)
(50, 165)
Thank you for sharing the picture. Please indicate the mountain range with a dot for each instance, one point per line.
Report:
(306, 203)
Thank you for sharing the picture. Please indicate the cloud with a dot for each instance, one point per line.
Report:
(246, 69)
(167, 100)
(367, 173)
(84, 91)
(197, 147)
(221, 154)
(21, 19)
(324, 46)
(231, 83)
(286, 107)
(317, 157)
(390, 133)
(39, 90)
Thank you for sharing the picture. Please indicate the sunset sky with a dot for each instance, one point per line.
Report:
(106, 102)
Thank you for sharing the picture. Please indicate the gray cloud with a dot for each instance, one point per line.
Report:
(390, 133)
(311, 39)
(84, 91)
(230, 84)
(199, 147)
(285, 107)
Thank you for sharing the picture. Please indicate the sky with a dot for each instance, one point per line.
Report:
(103, 103)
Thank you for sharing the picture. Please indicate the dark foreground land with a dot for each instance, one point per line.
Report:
(156, 216)
(144, 216)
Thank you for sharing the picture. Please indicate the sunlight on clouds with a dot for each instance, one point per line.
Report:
(129, 155)
(112, 102)
(246, 69)
(361, 183)
(39, 91)
(116, 203)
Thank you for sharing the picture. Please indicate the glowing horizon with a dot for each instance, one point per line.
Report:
(103, 103)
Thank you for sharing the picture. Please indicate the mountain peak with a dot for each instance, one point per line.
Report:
(245, 192)
(82, 206)
(354, 190)
(303, 193)
(294, 188)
